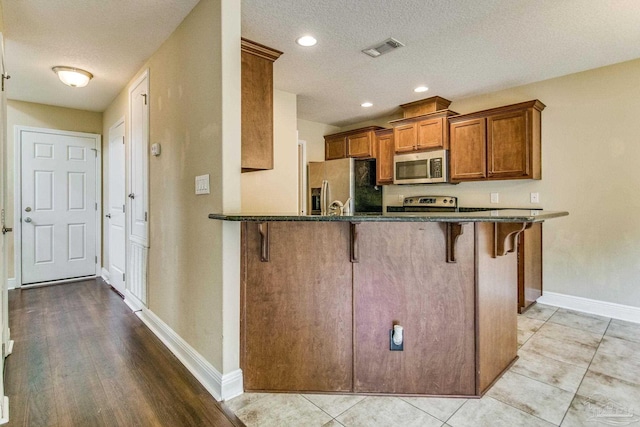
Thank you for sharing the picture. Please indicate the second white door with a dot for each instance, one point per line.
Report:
(59, 204)
(116, 211)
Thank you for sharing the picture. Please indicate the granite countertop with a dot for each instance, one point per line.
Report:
(503, 215)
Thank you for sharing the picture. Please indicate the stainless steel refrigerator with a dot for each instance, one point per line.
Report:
(343, 186)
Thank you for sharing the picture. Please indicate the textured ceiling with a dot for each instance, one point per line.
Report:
(458, 48)
(110, 38)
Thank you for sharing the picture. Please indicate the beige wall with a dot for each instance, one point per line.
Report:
(21, 113)
(313, 133)
(590, 152)
(276, 190)
(194, 261)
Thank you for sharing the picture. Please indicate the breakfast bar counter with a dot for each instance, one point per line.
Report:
(320, 297)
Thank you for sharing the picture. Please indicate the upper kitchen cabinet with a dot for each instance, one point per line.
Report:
(421, 133)
(384, 160)
(257, 105)
(501, 143)
(335, 147)
(358, 143)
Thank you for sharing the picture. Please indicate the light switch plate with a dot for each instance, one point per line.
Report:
(495, 197)
(202, 184)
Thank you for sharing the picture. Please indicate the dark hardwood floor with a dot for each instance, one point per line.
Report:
(82, 358)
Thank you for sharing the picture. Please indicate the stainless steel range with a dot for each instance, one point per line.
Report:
(433, 204)
(430, 204)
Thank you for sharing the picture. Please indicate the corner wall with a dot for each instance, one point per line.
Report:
(590, 152)
(276, 190)
(193, 273)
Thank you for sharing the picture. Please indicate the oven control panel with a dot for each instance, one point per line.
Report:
(431, 201)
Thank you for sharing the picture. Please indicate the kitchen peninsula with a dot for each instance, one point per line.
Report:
(320, 296)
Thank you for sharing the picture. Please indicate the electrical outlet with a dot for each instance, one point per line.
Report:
(393, 346)
(535, 197)
(495, 197)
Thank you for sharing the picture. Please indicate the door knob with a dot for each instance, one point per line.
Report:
(132, 196)
(27, 219)
(27, 209)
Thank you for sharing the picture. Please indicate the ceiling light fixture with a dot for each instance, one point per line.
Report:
(306, 41)
(421, 89)
(74, 77)
(366, 104)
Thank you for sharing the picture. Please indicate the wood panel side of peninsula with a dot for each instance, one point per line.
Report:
(312, 320)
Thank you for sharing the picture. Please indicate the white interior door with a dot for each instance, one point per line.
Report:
(116, 210)
(58, 205)
(138, 226)
(4, 306)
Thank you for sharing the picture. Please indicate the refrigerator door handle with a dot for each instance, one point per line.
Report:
(323, 197)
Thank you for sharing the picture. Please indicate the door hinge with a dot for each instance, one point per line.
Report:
(144, 95)
(122, 208)
(5, 77)
(123, 277)
(96, 205)
(96, 259)
(145, 217)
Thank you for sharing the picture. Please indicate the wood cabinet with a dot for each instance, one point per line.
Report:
(421, 133)
(257, 105)
(468, 155)
(436, 311)
(296, 334)
(317, 310)
(354, 143)
(384, 159)
(529, 266)
(335, 147)
(501, 143)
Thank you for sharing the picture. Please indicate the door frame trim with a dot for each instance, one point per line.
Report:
(17, 196)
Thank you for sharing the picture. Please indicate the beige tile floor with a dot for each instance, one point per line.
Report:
(575, 369)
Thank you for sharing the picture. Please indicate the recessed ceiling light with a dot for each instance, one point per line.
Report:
(306, 41)
(366, 104)
(421, 89)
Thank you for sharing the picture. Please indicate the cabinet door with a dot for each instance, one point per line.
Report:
(360, 145)
(405, 137)
(431, 134)
(508, 145)
(529, 266)
(335, 148)
(468, 155)
(297, 333)
(257, 113)
(384, 163)
(402, 277)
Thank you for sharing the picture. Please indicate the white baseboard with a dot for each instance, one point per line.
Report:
(11, 283)
(105, 275)
(134, 303)
(4, 416)
(221, 387)
(601, 308)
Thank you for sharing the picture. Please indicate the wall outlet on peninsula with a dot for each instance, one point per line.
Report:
(495, 197)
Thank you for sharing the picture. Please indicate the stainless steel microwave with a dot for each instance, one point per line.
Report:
(427, 167)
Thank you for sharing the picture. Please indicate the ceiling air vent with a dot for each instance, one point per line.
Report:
(384, 47)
